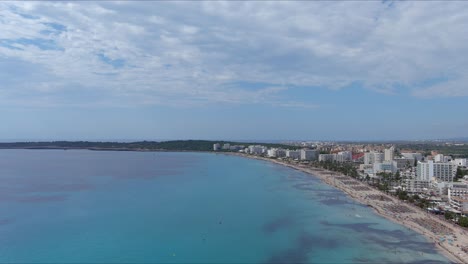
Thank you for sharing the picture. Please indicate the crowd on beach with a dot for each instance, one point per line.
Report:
(378, 197)
(350, 182)
(434, 226)
(360, 188)
(398, 209)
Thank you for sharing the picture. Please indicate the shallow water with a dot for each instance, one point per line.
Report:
(120, 207)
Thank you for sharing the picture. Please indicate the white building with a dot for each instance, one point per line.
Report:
(293, 154)
(272, 153)
(457, 190)
(327, 157)
(344, 156)
(459, 162)
(444, 171)
(388, 154)
(256, 150)
(309, 154)
(386, 166)
(417, 186)
(442, 158)
(425, 171)
(281, 153)
(216, 146)
(441, 171)
(226, 146)
(373, 157)
(460, 204)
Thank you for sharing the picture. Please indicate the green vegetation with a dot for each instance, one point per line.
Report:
(460, 173)
(455, 150)
(402, 195)
(463, 221)
(345, 168)
(387, 180)
(175, 145)
(450, 215)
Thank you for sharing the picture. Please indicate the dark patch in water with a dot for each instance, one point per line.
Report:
(404, 240)
(332, 202)
(56, 187)
(278, 224)
(313, 187)
(305, 244)
(165, 172)
(43, 199)
(367, 229)
(385, 260)
(427, 261)
(304, 186)
(303, 177)
(363, 260)
(6, 221)
(406, 243)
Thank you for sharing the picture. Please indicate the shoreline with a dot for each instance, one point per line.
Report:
(387, 206)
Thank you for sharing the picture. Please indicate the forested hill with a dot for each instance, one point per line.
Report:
(174, 145)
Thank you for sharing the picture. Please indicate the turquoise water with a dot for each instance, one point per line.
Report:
(120, 207)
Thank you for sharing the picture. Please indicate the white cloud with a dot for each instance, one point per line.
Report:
(173, 52)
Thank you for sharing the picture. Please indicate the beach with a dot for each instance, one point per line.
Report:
(450, 239)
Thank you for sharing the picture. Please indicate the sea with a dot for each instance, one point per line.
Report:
(81, 206)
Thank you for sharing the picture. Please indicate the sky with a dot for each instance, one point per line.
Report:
(281, 70)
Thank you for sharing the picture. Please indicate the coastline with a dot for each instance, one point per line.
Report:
(390, 208)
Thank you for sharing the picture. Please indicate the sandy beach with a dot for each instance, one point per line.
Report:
(450, 239)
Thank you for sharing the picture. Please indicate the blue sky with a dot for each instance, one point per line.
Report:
(233, 70)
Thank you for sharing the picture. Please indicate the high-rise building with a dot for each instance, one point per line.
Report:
(439, 158)
(327, 157)
(309, 154)
(256, 150)
(344, 156)
(441, 171)
(373, 157)
(425, 171)
(444, 171)
(388, 154)
(281, 153)
(293, 154)
(216, 146)
(272, 153)
(226, 146)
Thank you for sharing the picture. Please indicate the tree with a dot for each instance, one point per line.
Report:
(459, 174)
(463, 221)
(402, 195)
(449, 215)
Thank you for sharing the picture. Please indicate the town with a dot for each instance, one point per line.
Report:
(435, 182)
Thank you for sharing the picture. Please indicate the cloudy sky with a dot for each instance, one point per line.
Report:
(233, 70)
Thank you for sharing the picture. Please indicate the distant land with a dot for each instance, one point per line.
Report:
(455, 148)
(173, 145)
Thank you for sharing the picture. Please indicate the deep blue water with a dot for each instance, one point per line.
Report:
(121, 207)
